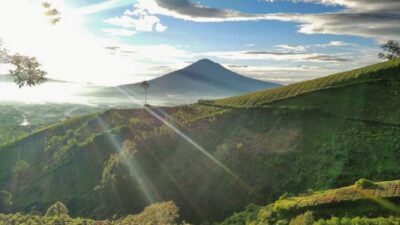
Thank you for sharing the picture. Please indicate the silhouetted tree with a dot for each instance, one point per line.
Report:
(391, 50)
(145, 85)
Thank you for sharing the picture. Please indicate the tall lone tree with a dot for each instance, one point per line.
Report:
(145, 85)
(391, 50)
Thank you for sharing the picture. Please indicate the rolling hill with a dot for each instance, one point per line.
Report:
(355, 204)
(202, 79)
(215, 157)
(374, 73)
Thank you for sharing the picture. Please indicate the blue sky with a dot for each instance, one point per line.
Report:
(282, 40)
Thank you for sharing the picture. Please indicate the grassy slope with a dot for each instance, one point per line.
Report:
(319, 139)
(382, 71)
(350, 201)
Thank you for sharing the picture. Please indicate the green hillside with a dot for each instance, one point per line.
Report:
(375, 204)
(213, 158)
(383, 71)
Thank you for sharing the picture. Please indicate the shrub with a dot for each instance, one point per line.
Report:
(5, 200)
(165, 213)
(58, 209)
(21, 167)
(304, 219)
(365, 184)
(286, 195)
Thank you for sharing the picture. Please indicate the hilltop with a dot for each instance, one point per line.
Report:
(374, 73)
(212, 158)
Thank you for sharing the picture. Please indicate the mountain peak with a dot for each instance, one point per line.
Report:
(204, 61)
(204, 64)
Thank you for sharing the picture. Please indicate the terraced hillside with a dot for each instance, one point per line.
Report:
(212, 159)
(381, 199)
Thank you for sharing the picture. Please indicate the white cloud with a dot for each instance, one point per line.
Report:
(137, 20)
(68, 51)
(293, 70)
(337, 43)
(295, 48)
(278, 56)
(103, 6)
(160, 28)
(366, 18)
(119, 32)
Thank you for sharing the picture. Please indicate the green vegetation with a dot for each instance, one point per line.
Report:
(27, 71)
(346, 205)
(5, 201)
(165, 213)
(12, 117)
(391, 50)
(58, 209)
(365, 184)
(383, 71)
(214, 158)
(359, 221)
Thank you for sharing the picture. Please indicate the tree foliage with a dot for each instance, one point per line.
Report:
(27, 70)
(391, 50)
(304, 219)
(365, 184)
(165, 213)
(58, 209)
(5, 201)
(21, 167)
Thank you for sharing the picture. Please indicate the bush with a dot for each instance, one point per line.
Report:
(286, 195)
(21, 167)
(165, 213)
(58, 209)
(365, 184)
(304, 219)
(5, 201)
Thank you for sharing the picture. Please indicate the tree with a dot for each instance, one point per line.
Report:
(304, 219)
(52, 13)
(5, 201)
(391, 50)
(57, 209)
(26, 72)
(145, 85)
(164, 213)
(21, 167)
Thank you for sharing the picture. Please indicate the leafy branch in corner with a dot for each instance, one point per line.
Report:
(27, 70)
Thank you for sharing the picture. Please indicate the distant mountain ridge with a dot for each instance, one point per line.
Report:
(202, 79)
